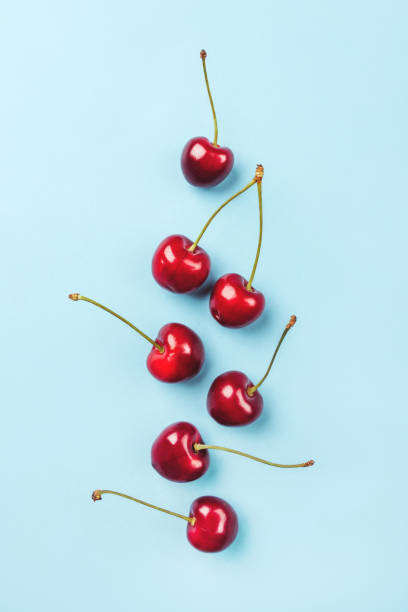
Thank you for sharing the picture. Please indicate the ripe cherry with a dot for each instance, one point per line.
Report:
(233, 399)
(174, 456)
(180, 454)
(234, 302)
(179, 264)
(177, 353)
(215, 526)
(203, 163)
(212, 522)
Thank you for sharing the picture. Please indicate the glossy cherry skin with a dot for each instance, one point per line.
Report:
(176, 268)
(228, 401)
(204, 164)
(232, 304)
(216, 524)
(183, 355)
(173, 454)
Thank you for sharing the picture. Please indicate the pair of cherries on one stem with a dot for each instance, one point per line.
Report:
(181, 266)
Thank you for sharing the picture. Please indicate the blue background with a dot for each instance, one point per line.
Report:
(97, 101)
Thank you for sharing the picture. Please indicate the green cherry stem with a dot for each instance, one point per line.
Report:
(292, 321)
(200, 235)
(198, 447)
(203, 55)
(76, 297)
(258, 176)
(97, 495)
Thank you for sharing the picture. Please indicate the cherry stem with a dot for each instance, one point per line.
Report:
(292, 321)
(193, 247)
(203, 55)
(258, 177)
(97, 495)
(76, 296)
(198, 447)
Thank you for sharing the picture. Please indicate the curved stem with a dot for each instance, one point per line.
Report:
(97, 495)
(76, 296)
(203, 55)
(292, 321)
(200, 235)
(251, 278)
(198, 447)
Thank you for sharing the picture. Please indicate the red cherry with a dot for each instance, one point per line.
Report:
(233, 399)
(212, 522)
(179, 453)
(232, 304)
(229, 402)
(205, 164)
(215, 526)
(179, 264)
(173, 454)
(177, 268)
(182, 357)
(177, 353)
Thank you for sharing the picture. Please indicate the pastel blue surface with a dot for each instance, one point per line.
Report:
(97, 101)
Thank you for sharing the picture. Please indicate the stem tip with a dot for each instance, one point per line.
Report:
(203, 53)
(259, 173)
(292, 321)
(96, 495)
(74, 296)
